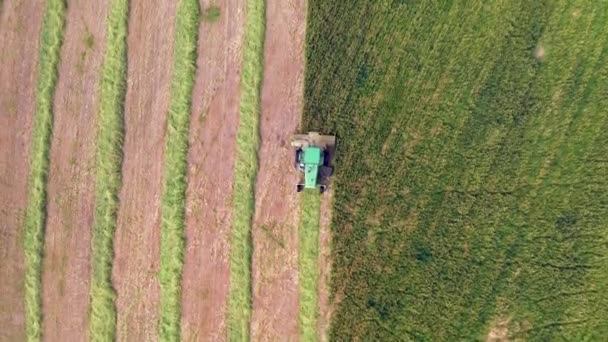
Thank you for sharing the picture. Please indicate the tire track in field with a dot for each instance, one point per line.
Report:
(71, 180)
(215, 115)
(136, 261)
(20, 24)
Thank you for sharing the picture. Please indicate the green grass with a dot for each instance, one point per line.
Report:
(309, 264)
(110, 132)
(35, 215)
(248, 140)
(211, 14)
(470, 184)
(172, 242)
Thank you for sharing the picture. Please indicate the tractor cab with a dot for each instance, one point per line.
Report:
(310, 158)
(313, 157)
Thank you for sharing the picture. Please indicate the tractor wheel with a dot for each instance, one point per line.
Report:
(326, 158)
(298, 157)
(326, 171)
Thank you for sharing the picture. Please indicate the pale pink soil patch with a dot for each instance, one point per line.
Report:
(215, 117)
(20, 23)
(137, 237)
(71, 182)
(275, 236)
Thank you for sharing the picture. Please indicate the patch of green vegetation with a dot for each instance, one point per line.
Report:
(108, 166)
(89, 43)
(89, 40)
(211, 14)
(172, 242)
(246, 164)
(51, 38)
(309, 264)
(470, 180)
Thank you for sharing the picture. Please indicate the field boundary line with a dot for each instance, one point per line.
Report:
(51, 39)
(173, 203)
(246, 165)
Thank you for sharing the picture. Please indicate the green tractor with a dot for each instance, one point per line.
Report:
(313, 154)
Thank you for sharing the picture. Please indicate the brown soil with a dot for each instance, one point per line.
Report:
(211, 159)
(136, 260)
(275, 237)
(20, 23)
(71, 182)
(325, 306)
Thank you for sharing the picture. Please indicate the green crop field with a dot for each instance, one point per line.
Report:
(471, 190)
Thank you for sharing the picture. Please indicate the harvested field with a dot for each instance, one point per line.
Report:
(308, 262)
(275, 227)
(136, 262)
(20, 23)
(324, 263)
(215, 114)
(67, 258)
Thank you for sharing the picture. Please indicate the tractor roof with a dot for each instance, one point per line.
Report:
(312, 159)
(312, 155)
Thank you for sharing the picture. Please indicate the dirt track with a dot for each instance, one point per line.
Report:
(211, 159)
(20, 23)
(275, 238)
(136, 261)
(71, 182)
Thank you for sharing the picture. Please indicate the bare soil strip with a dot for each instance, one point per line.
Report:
(71, 195)
(275, 238)
(20, 23)
(215, 116)
(136, 261)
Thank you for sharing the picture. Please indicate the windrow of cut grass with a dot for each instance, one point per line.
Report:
(308, 246)
(470, 190)
(108, 165)
(35, 215)
(246, 164)
(173, 204)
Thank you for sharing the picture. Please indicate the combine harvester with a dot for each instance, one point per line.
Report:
(314, 153)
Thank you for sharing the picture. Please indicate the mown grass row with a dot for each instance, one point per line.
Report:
(470, 189)
(172, 242)
(309, 265)
(246, 164)
(51, 40)
(108, 165)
